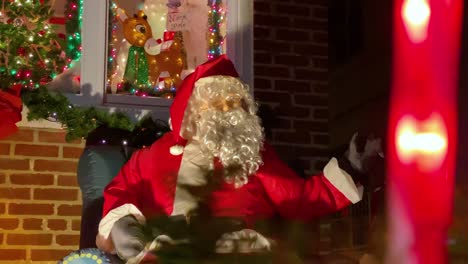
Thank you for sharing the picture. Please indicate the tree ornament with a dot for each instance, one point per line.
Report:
(21, 51)
(18, 22)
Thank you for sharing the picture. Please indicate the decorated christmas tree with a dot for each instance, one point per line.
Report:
(31, 52)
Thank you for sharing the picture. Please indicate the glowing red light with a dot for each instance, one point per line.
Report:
(422, 141)
(416, 15)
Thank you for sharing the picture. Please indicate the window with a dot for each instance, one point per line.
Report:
(96, 83)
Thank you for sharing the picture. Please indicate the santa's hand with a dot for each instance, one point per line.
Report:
(359, 160)
(128, 237)
(243, 241)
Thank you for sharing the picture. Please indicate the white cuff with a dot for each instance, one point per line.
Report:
(103, 241)
(342, 181)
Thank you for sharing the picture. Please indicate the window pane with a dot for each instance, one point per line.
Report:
(154, 44)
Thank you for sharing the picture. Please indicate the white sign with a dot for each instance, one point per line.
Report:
(177, 21)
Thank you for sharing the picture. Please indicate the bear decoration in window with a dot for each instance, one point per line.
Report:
(152, 50)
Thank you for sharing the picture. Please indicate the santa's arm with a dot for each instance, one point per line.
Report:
(297, 198)
(120, 200)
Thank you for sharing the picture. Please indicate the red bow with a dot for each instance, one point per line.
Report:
(10, 110)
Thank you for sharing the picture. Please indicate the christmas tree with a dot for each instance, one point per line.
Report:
(31, 52)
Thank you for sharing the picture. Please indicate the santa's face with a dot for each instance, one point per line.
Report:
(226, 126)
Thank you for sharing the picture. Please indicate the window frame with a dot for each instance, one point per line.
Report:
(239, 48)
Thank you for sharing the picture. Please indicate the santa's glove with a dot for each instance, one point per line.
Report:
(244, 241)
(360, 156)
(129, 237)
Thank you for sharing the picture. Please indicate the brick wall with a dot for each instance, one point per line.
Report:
(291, 76)
(40, 202)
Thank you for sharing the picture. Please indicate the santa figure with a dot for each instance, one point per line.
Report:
(216, 144)
(10, 110)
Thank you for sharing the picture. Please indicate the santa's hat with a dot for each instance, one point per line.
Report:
(219, 66)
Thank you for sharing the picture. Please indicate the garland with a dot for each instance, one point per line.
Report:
(81, 122)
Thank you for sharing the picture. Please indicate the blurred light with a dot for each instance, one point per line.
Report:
(416, 15)
(422, 141)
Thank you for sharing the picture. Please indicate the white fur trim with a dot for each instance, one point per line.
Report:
(342, 181)
(106, 224)
(176, 150)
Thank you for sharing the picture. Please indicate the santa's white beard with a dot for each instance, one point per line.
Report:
(236, 138)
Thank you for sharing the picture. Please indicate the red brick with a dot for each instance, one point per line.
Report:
(56, 194)
(263, 58)
(272, 46)
(321, 88)
(8, 223)
(48, 254)
(307, 151)
(310, 25)
(292, 60)
(32, 179)
(304, 74)
(32, 224)
(4, 149)
(55, 165)
(29, 239)
(30, 209)
(73, 153)
(312, 126)
(262, 84)
(293, 35)
(321, 113)
(273, 97)
(320, 12)
(310, 100)
(320, 63)
(320, 37)
(292, 137)
(274, 71)
(36, 150)
(292, 86)
(76, 225)
(262, 33)
(292, 111)
(260, 7)
(69, 210)
(57, 224)
(2, 178)
(12, 254)
(2, 208)
(67, 181)
(67, 240)
(271, 20)
(281, 123)
(311, 49)
(15, 193)
(292, 10)
(14, 164)
(21, 135)
(52, 137)
(322, 139)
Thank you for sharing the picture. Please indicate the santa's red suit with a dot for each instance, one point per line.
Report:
(149, 184)
(10, 110)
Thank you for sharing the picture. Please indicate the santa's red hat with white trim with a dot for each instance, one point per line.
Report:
(218, 66)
